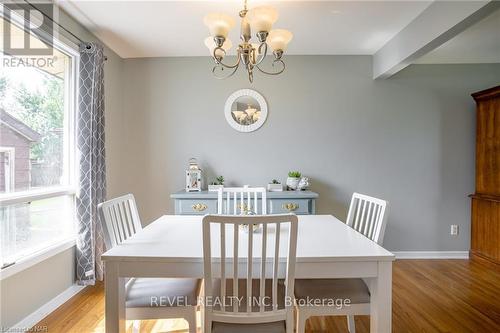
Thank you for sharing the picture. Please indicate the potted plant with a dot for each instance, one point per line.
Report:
(216, 184)
(292, 182)
(274, 186)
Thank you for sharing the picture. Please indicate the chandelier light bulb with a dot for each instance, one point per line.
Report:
(262, 18)
(250, 111)
(240, 116)
(256, 116)
(278, 39)
(219, 24)
(210, 44)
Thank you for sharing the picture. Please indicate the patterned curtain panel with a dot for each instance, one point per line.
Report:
(92, 168)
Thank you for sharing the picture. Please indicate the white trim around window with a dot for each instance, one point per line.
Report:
(13, 198)
(10, 170)
(36, 257)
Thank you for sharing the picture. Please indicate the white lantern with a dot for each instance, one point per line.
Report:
(193, 176)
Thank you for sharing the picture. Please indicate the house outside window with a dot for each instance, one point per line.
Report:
(37, 147)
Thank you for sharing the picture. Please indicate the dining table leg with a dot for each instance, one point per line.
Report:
(381, 299)
(114, 287)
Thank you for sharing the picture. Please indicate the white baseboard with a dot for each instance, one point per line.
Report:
(46, 309)
(431, 254)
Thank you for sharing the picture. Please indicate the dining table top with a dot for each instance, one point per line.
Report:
(174, 238)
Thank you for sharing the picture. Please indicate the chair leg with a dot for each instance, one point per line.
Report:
(202, 319)
(136, 326)
(191, 320)
(207, 325)
(300, 327)
(289, 323)
(351, 326)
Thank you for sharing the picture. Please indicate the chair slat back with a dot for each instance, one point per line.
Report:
(368, 215)
(120, 219)
(241, 200)
(262, 260)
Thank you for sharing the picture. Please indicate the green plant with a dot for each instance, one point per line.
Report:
(220, 180)
(294, 174)
(274, 181)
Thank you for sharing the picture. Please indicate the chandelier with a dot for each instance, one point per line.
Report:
(247, 117)
(250, 55)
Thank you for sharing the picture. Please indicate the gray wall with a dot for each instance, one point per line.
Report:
(26, 291)
(409, 139)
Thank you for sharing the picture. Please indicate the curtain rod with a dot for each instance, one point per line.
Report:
(60, 26)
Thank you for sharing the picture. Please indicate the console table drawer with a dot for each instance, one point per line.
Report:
(282, 206)
(196, 207)
(204, 202)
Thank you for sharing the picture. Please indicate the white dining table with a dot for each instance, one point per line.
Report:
(172, 247)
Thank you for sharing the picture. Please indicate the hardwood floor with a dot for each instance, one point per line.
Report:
(428, 296)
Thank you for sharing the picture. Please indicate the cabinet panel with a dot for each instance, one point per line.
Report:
(486, 228)
(488, 147)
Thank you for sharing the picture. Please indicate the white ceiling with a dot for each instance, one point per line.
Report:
(478, 44)
(175, 28)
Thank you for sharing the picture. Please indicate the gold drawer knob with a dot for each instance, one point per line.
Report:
(290, 206)
(244, 208)
(199, 207)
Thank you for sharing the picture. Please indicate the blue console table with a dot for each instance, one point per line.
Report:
(204, 202)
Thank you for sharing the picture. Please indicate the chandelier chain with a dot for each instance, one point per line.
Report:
(244, 12)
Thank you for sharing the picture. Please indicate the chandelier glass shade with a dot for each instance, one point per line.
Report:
(249, 54)
(209, 42)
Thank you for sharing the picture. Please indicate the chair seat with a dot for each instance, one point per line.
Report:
(353, 289)
(154, 292)
(242, 292)
(274, 327)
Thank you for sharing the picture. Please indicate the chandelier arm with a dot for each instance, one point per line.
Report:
(219, 62)
(263, 54)
(274, 73)
(214, 69)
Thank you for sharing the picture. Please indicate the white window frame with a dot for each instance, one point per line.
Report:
(70, 186)
(10, 172)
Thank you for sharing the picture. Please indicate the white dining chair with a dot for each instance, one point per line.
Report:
(242, 200)
(253, 277)
(368, 216)
(147, 298)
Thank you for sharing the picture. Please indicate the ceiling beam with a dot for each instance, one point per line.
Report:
(437, 24)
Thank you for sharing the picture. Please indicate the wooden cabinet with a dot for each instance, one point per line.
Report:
(201, 203)
(485, 231)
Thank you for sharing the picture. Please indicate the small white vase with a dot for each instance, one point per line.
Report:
(292, 183)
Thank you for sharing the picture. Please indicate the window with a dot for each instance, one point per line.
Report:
(37, 178)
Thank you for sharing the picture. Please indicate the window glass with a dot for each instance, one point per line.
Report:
(36, 147)
(29, 227)
(33, 120)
